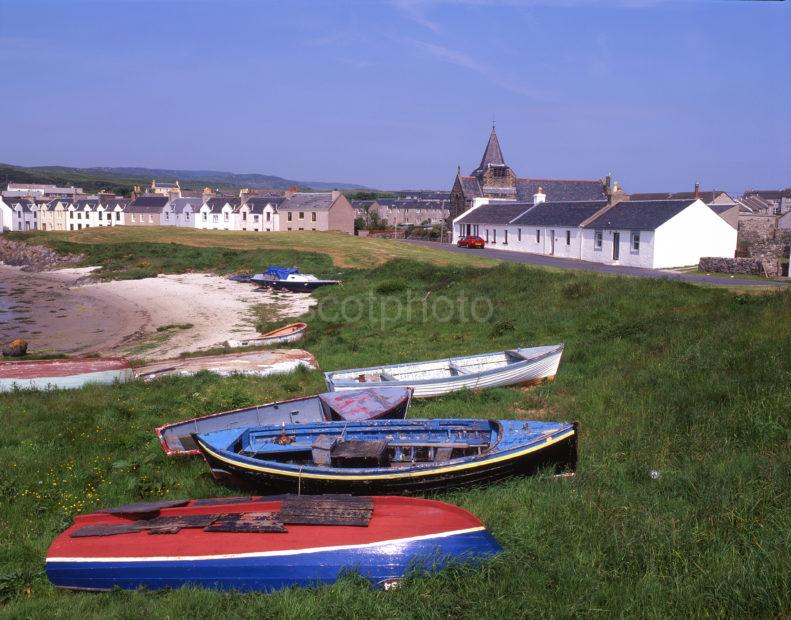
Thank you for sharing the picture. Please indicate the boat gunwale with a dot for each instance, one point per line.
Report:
(331, 382)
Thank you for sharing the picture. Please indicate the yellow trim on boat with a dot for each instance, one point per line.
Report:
(430, 472)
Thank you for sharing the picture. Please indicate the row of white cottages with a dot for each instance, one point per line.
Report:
(641, 233)
(296, 211)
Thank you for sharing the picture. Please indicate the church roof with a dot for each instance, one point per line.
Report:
(558, 190)
(493, 155)
(470, 187)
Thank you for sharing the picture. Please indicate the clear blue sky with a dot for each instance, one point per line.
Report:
(397, 94)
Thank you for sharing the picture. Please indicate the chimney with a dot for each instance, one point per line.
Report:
(607, 182)
(539, 196)
(697, 190)
(335, 195)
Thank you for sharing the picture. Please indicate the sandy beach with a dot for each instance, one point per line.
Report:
(58, 312)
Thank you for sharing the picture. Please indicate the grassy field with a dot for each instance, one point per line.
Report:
(692, 382)
(342, 250)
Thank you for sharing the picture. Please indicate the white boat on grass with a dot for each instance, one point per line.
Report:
(473, 372)
(281, 335)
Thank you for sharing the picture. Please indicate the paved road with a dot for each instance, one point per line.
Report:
(568, 263)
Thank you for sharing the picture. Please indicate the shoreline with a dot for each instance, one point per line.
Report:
(59, 312)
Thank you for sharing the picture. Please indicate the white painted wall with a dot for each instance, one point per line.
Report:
(25, 218)
(218, 220)
(524, 239)
(643, 257)
(6, 216)
(695, 232)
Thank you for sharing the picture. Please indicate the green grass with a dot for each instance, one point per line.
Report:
(693, 382)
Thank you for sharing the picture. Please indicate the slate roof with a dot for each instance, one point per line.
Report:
(492, 156)
(363, 205)
(722, 208)
(707, 196)
(413, 204)
(80, 205)
(308, 201)
(470, 187)
(147, 204)
(771, 194)
(755, 203)
(216, 203)
(496, 213)
(639, 214)
(559, 190)
(179, 204)
(166, 185)
(423, 194)
(257, 204)
(559, 213)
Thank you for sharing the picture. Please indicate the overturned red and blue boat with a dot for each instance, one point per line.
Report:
(263, 544)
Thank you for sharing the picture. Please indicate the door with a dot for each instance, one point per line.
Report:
(616, 245)
(552, 242)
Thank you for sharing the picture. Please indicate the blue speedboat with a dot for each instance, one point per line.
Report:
(386, 456)
(290, 279)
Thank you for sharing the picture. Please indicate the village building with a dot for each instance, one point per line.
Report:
(217, 213)
(361, 208)
(110, 211)
(162, 188)
(24, 213)
(182, 212)
(772, 201)
(657, 234)
(82, 213)
(6, 214)
(145, 210)
(493, 179)
(52, 215)
(410, 212)
(317, 211)
(39, 190)
(260, 213)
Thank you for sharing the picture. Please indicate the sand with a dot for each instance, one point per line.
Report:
(56, 311)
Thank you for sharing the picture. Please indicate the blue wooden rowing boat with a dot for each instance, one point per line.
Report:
(264, 543)
(386, 456)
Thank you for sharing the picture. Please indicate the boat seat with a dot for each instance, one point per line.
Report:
(514, 354)
(438, 445)
(274, 450)
(442, 454)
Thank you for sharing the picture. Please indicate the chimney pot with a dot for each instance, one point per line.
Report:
(697, 190)
(539, 196)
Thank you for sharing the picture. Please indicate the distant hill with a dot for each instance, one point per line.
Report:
(122, 180)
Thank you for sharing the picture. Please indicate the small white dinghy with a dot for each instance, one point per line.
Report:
(281, 335)
(63, 374)
(515, 366)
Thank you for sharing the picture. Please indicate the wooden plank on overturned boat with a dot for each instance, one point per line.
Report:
(326, 510)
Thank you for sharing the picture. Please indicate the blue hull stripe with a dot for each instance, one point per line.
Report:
(377, 563)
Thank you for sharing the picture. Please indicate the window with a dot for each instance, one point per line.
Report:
(538, 235)
(301, 228)
(133, 217)
(225, 216)
(255, 218)
(518, 234)
(494, 235)
(215, 218)
(290, 217)
(313, 217)
(71, 226)
(150, 219)
(117, 216)
(302, 215)
(79, 215)
(268, 216)
(108, 215)
(186, 215)
(487, 235)
(635, 242)
(204, 216)
(597, 240)
(244, 216)
(568, 237)
(505, 241)
(167, 215)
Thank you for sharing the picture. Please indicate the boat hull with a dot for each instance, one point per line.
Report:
(299, 287)
(374, 404)
(63, 374)
(556, 454)
(410, 534)
(542, 368)
(278, 336)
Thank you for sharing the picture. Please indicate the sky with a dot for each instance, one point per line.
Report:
(396, 94)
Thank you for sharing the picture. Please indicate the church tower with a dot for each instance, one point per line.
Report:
(493, 171)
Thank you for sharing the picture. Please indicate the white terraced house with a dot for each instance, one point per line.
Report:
(259, 213)
(217, 213)
(182, 212)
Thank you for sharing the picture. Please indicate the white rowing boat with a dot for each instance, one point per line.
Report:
(514, 366)
(281, 335)
(63, 374)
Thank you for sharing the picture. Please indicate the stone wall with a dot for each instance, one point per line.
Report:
(753, 228)
(740, 266)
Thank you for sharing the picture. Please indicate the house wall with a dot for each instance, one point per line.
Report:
(216, 220)
(785, 221)
(142, 219)
(6, 216)
(25, 218)
(523, 239)
(692, 234)
(186, 219)
(643, 257)
(341, 216)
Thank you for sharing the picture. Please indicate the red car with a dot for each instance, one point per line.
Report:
(471, 241)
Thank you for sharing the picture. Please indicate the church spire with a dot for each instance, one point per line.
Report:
(493, 155)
